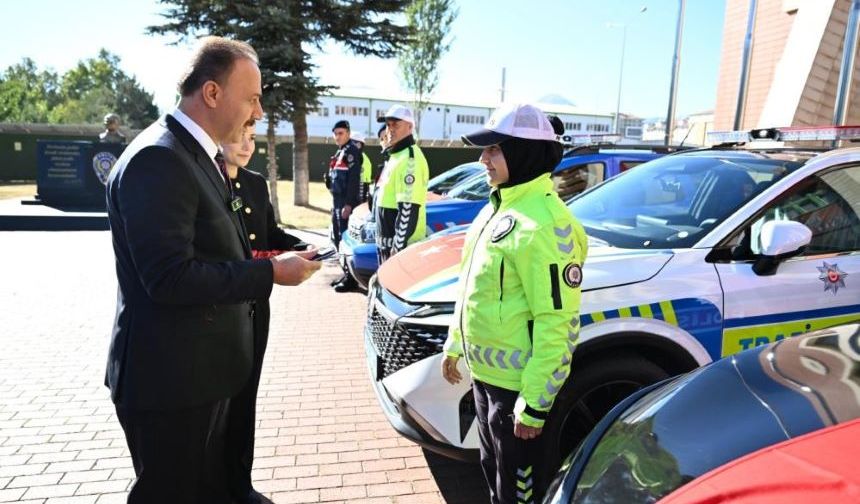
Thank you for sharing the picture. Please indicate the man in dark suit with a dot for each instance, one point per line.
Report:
(182, 341)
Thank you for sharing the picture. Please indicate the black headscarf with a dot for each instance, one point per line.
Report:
(529, 159)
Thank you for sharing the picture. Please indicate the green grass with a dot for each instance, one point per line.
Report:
(14, 190)
(318, 215)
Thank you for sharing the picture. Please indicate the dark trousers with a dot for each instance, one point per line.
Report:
(178, 455)
(242, 418)
(338, 225)
(509, 463)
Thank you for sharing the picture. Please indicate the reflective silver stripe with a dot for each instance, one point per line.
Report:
(476, 353)
(500, 359)
(559, 374)
(543, 402)
(493, 357)
(551, 388)
(401, 227)
(567, 248)
(515, 359)
(563, 232)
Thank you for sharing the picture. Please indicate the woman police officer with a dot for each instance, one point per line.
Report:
(516, 320)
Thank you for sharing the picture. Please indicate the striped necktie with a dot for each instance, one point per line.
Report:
(222, 167)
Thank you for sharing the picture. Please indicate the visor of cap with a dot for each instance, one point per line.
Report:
(484, 138)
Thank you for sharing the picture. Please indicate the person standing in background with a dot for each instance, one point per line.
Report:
(345, 176)
(401, 191)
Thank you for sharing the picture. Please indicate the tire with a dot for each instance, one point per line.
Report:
(591, 391)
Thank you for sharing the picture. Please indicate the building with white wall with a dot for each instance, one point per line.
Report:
(439, 121)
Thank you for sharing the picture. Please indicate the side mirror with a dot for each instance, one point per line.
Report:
(780, 240)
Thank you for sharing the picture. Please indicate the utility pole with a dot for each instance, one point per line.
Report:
(673, 85)
(746, 62)
(502, 99)
(846, 70)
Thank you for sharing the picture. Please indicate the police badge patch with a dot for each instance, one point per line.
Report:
(409, 179)
(572, 275)
(102, 164)
(503, 228)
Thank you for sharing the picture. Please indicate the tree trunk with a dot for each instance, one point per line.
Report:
(300, 156)
(272, 166)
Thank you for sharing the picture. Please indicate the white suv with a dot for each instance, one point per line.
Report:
(694, 256)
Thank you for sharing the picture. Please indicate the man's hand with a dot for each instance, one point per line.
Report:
(345, 211)
(523, 431)
(449, 370)
(293, 268)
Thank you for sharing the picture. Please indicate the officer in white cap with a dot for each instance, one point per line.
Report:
(401, 191)
(517, 311)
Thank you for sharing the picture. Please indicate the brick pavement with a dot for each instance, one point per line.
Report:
(321, 436)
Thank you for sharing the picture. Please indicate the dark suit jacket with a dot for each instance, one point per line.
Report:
(183, 333)
(258, 214)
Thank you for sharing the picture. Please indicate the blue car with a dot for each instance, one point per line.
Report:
(580, 168)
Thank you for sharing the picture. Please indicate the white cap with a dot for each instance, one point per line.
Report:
(357, 136)
(519, 120)
(400, 112)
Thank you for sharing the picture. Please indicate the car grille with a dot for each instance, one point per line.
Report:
(400, 345)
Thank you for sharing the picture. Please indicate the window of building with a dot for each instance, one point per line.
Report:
(349, 110)
(319, 111)
(572, 126)
(470, 119)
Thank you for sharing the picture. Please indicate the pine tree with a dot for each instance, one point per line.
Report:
(282, 32)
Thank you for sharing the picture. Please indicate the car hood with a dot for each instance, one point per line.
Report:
(427, 272)
(717, 413)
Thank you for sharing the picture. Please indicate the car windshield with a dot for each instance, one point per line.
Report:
(476, 188)
(442, 183)
(674, 201)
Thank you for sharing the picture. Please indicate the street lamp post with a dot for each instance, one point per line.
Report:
(616, 122)
(673, 84)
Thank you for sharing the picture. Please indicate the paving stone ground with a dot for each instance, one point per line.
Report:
(321, 436)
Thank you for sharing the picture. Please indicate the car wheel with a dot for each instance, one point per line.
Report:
(590, 392)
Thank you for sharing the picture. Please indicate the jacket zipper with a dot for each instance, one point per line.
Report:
(501, 287)
(468, 272)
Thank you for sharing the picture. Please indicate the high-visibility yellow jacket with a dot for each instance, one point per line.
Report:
(366, 169)
(516, 319)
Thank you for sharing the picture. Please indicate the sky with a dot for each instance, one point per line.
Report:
(570, 48)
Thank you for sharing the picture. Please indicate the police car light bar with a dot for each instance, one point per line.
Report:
(791, 134)
(591, 139)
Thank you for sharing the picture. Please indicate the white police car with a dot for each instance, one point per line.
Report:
(694, 256)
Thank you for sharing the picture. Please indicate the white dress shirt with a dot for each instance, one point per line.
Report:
(203, 138)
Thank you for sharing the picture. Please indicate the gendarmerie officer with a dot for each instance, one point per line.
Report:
(345, 183)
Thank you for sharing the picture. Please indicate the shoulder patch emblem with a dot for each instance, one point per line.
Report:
(503, 228)
(409, 179)
(349, 158)
(572, 275)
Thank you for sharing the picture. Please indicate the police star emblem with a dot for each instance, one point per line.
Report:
(832, 276)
